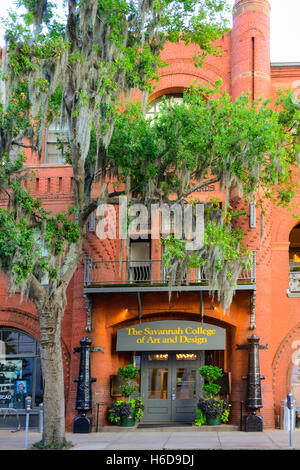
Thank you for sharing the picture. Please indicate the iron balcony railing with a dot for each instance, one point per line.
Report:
(147, 272)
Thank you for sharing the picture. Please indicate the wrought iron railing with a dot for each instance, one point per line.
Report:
(148, 272)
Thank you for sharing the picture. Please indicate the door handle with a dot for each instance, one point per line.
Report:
(173, 396)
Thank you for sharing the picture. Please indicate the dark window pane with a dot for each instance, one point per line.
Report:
(11, 340)
(25, 338)
(26, 348)
(185, 383)
(26, 344)
(158, 384)
(10, 373)
(19, 374)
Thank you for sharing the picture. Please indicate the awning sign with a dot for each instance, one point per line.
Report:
(171, 335)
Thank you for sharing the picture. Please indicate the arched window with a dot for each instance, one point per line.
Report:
(154, 105)
(20, 369)
(294, 249)
(294, 255)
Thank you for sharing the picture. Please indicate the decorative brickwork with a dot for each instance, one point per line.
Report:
(282, 365)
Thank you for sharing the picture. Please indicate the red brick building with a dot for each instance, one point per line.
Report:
(114, 294)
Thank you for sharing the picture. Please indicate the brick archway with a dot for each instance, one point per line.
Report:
(282, 365)
(28, 322)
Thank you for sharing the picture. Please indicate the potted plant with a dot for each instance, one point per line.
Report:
(127, 412)
(211, 409)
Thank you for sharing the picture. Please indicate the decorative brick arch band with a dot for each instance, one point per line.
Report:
(20, 319)
(175, 77)
(282, 365)
(283, 227)
(28, 322)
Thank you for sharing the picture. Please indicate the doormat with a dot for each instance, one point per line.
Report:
(166, 425)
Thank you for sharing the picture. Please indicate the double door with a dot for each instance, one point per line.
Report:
(171, 385)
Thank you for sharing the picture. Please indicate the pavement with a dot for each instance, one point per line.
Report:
(139, 439)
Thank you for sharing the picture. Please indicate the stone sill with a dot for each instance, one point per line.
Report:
(293, 294)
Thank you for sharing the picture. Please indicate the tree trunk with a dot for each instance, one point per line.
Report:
(53, 377)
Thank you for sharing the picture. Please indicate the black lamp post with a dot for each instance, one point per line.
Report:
(253, 422)
(82, 424)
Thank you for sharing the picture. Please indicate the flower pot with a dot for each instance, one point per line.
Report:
(127, 421)
(213, 421)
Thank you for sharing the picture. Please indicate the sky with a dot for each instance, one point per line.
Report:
(285, 28)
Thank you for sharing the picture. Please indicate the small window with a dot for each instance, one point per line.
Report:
(140, 263)
(158, 357)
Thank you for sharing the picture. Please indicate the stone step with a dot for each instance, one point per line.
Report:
(177, 428)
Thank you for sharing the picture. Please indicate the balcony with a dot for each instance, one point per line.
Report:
(149, 275)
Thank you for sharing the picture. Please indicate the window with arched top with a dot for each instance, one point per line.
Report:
(154, 105)
(20, 369)
(294, 260)
(294, 249)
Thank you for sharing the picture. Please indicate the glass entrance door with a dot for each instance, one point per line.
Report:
(171, 386)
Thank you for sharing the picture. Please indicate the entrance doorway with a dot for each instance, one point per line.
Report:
(171, 385)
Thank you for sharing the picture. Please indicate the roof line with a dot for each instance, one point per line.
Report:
(285, 64)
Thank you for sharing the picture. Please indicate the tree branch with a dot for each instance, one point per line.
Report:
(198, 186)
(33, 147)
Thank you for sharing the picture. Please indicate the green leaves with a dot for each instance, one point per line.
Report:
(246, 144)
(251, 146)
(211, 374)
(31, 238)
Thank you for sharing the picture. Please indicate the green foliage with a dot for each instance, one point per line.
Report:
(52, 446)
(240, 142)
(129, 372)
(200, 417)
(225, 415)
(127, 390)
(237, 143)
(211, 406)
(41, 52)
(134, 407)
(173, 248)
(30, 236)
(210, 375)
(75, 68)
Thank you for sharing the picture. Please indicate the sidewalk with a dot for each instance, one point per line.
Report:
(166, 440)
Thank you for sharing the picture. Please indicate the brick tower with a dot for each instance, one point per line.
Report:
(250, 42)
(251, 72)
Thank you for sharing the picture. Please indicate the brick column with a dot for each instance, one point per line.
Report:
(250, 43)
